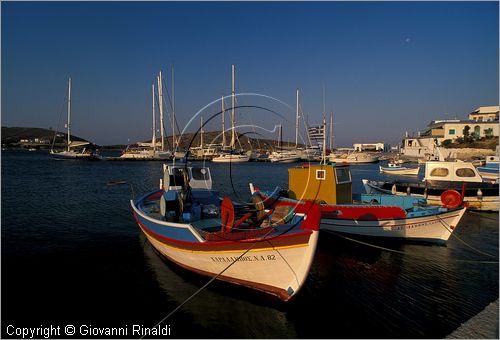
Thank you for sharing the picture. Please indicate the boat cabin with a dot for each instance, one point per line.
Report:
(187, 193)
(329, 183)
(175, 177)
(451, 171)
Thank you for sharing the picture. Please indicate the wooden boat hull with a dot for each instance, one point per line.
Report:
(399, 171)
(482, 198)
(277, 264)
(435, 228)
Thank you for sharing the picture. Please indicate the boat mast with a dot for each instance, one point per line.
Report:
(173, 112)
(153, 141)
(160, 104)
(233, 139)
(201, 136)
(223, 124)
(331, 130)
(281, 138)
(323, 151)
(297, 122)
(69, 113)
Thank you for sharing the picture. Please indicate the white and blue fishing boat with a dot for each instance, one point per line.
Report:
(386, 216)
(490, 169)
(439, 177)
(269, 249)
(397, 169)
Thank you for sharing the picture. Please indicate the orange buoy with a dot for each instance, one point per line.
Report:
(451, 199)
(226, 214)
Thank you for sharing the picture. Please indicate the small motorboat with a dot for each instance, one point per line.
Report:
(490, 169)
(389, 216)
(397, 169)
(269, 249)
(442, 176)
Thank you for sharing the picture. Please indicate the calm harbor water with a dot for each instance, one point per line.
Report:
(72, 254)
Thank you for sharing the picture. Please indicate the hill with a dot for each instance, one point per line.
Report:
(215, 137)
(33, 137)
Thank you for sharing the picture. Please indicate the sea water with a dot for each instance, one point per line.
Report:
(72, 255)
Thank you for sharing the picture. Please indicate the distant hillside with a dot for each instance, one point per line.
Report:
(12, 136)
(215, 137)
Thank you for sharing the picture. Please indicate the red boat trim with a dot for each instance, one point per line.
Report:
(380, 226)
(285, 240)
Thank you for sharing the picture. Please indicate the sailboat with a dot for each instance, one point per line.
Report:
(148, 151)
(283, 156)
(232, 157)
(71, 151)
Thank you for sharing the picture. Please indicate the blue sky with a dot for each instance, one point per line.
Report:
(387, 67)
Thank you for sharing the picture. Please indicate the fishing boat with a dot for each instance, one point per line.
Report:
(439, 177)
(284, 156)
(387, 216)
(354, 158)
(269, 249)
(397, 169)
(490, 169)
(74, 149)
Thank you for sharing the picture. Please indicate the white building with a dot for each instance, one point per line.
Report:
(482, 122)
(370, 147)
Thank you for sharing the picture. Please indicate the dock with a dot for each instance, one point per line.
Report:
(482, 326)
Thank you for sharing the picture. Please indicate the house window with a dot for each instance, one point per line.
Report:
(451, 132)
(343, 175)
(439, 172)
(320, 174)
(477, 131)
(465, 172)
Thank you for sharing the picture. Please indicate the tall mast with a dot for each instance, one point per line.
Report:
(297, 122)
(201, 136)
(160, 104)
(153, 140)
(233, 139)
(331, 130)
(323, 153)
(173, 111)
(69, 111)
(281, 137)
(223, 124)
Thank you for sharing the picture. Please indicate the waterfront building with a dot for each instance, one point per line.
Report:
(370, 147)
(482, 122)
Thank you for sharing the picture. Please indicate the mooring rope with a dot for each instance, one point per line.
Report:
(402, 252)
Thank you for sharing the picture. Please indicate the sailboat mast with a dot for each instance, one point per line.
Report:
(160, 104)
(223, 124)
(153, 140)
(297, 122)
(173, 111)
(281, 137)
(233, 139)
(69, 112)
(201, 136)
(331, 130)
(323, 154)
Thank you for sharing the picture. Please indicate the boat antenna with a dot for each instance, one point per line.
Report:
(297, 121)
(323, 154)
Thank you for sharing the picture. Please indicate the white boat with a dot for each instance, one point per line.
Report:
(269, 250)
(388, 216)
(231, 158)
(353, 158)
(396, 169)
(490, 169)
(74, 149)
(150, 151)
(284, 157)
(440, 177)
